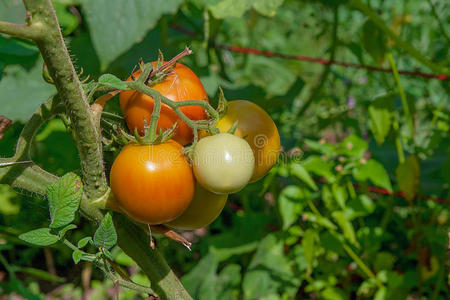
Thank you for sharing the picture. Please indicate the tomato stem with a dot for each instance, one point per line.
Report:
(171, 62)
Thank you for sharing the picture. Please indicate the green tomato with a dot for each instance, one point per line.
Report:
(205, 207)
(223, 163)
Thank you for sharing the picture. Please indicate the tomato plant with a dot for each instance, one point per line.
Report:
(258, 129)
(223, 163)
(180, 84)
(152, 183)
(205, 207)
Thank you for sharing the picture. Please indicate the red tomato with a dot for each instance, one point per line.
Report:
(153, 184)
(181, 84)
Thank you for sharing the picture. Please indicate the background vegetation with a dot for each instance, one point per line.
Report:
(357, 207)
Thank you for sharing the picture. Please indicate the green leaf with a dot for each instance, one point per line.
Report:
(309, 247)
(229, 8)
(299, 171)
(207, 266)
(63, 231)
(22, 91)
(332, 293)
(275, 82)
(67, 20)
(346, 226)
(315, 164)
(340, 194)
(353, 146)
(105, 236)
(112, 81)
(76, 256)
(290, 204)
(64, 198)
(116, 25)
(269, 271)
(84, 241)
(41, 274)
(319, 220)
(408, 177)
(373, 171)
(374, 41)
(380, 117)
(384, 261)
(267, 7)
(39, 237)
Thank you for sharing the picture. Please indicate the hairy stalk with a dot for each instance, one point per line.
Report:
(47, 35)
(61, 69)
(136, 244)
(30, 32)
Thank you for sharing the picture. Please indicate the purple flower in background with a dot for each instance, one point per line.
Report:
(363, 79)
(351, 102)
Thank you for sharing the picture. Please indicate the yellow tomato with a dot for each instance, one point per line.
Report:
(258, 129)
(203, 210)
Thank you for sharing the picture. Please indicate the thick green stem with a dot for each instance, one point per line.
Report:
(21, 31)
(372, 15)
(402, 94)
(137, 245)
(61, 69)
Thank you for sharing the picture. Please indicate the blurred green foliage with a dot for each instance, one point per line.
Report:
(313, 228)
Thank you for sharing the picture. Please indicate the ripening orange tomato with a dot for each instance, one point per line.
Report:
(153, 184)
(180, 84)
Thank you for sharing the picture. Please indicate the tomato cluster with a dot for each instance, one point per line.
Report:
(157, 184)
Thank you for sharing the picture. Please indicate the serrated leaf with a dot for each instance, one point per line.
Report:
(39, 237)
(380, 117)
(112, 81)
(105, 236)
(64, 198)
(300, 172)
(408, 177)
(374, 41)
(84, 241)
(375, 172)
(64, 230)
(131, 19)
(76, 256)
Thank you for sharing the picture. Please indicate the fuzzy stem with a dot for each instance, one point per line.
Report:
(136, 244)
(86, 131)
(32, 32)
